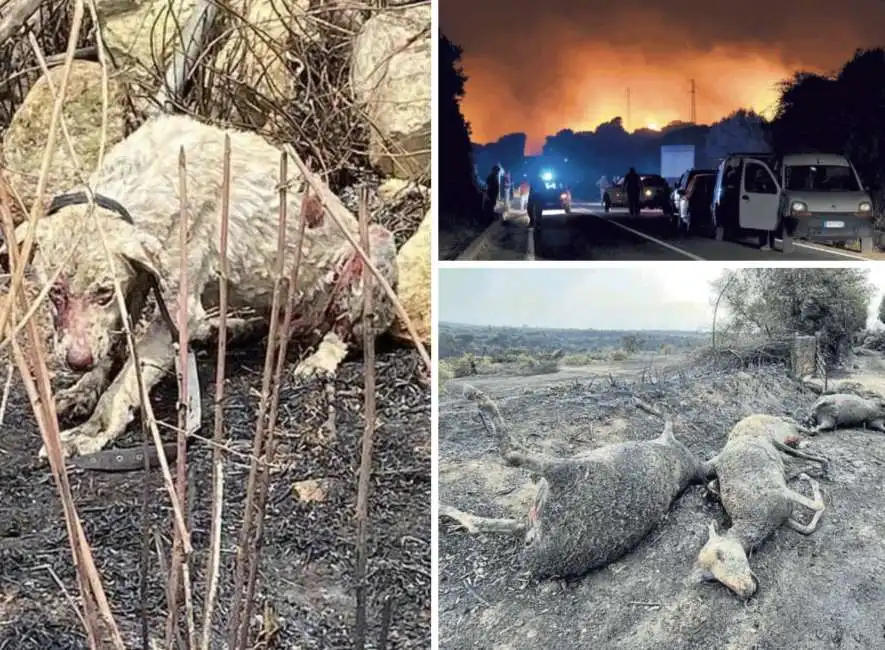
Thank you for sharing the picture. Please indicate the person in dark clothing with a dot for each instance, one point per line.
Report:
(632, 185)
(493, 187)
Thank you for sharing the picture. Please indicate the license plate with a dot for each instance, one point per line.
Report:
(834, 224)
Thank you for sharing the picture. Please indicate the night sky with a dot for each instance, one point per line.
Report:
(538, 67)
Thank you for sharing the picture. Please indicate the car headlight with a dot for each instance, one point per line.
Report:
(865, 206)
(798, 206)
(648, 192)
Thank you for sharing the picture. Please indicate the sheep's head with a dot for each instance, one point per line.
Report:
(85, 312)
(723, 559)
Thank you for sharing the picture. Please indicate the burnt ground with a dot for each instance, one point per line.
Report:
(307, 563)
(822, 591)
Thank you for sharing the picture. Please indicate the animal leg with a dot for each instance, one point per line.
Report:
(238, 329)
(817, 504)
(533, 462)
(709, 467)
(877, 424)
(474, 524)
(325, 360)
(825, 422)
(790, 451)
(713, 487)
(115, 408)
(80, 399)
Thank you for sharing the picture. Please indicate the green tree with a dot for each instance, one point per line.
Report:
(776, 303)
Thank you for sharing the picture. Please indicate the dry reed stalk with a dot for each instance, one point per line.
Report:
(243, 549)
(365, 469)
(36, 208)
(385, 285)
(214, 561)
(270, 445)
(39, 391)
(179, 565)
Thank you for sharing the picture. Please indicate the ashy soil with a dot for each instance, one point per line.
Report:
(306, 584)
(826, 590)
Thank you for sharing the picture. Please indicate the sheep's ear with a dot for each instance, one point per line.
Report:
(701, 575)
(142, 251)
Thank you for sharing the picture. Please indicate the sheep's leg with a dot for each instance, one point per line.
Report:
(816, 504)
(803, 470)
(342, 315)
(80, 399)
(713, 487)
(877, 425)
(709, 467)
(790, 451)
(238, 329)
(116, 407)
(533, 462)
(324, 361)
(474, 524)
(825, 422)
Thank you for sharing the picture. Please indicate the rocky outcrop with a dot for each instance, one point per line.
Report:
(391, 80)
(414, 282)
(25, 140)
(251, 67)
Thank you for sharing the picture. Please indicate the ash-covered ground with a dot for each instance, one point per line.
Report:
(826, 590)
(306, 579)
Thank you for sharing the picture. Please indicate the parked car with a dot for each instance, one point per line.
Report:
(818, 197)
(654, 194)
(824, 200)
(681, 185)
(693, 214)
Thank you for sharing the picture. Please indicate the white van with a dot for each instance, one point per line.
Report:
(818, 197)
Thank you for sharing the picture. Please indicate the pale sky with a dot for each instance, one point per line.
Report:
(671, 297)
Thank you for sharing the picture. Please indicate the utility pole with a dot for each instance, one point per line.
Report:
(629, 120)
(693, 115)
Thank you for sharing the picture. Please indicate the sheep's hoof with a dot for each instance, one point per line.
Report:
(72, 403)
(85, 439)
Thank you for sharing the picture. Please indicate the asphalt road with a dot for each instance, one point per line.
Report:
(590, 234)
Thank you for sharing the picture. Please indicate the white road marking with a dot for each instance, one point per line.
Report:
(657, 241)
(831, 251)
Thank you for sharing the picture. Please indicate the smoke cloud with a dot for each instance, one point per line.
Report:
(538, 68)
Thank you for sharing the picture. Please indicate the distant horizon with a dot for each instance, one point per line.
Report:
(701, 330)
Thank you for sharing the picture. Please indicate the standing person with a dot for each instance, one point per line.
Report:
(506, 187)
(603, 184)
(632, 185)
(524, 194)
(493, 188)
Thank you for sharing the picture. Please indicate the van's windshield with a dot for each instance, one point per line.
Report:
(820, 178)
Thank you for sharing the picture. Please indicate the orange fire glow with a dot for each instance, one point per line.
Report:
(589, 86)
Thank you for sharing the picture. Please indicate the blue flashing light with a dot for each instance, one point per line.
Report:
(546, 176)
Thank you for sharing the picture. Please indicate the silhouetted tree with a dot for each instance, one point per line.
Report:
(459, 195)
(844, 113)
(743, 130)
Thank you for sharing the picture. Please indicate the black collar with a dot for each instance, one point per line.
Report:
(82, 198)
